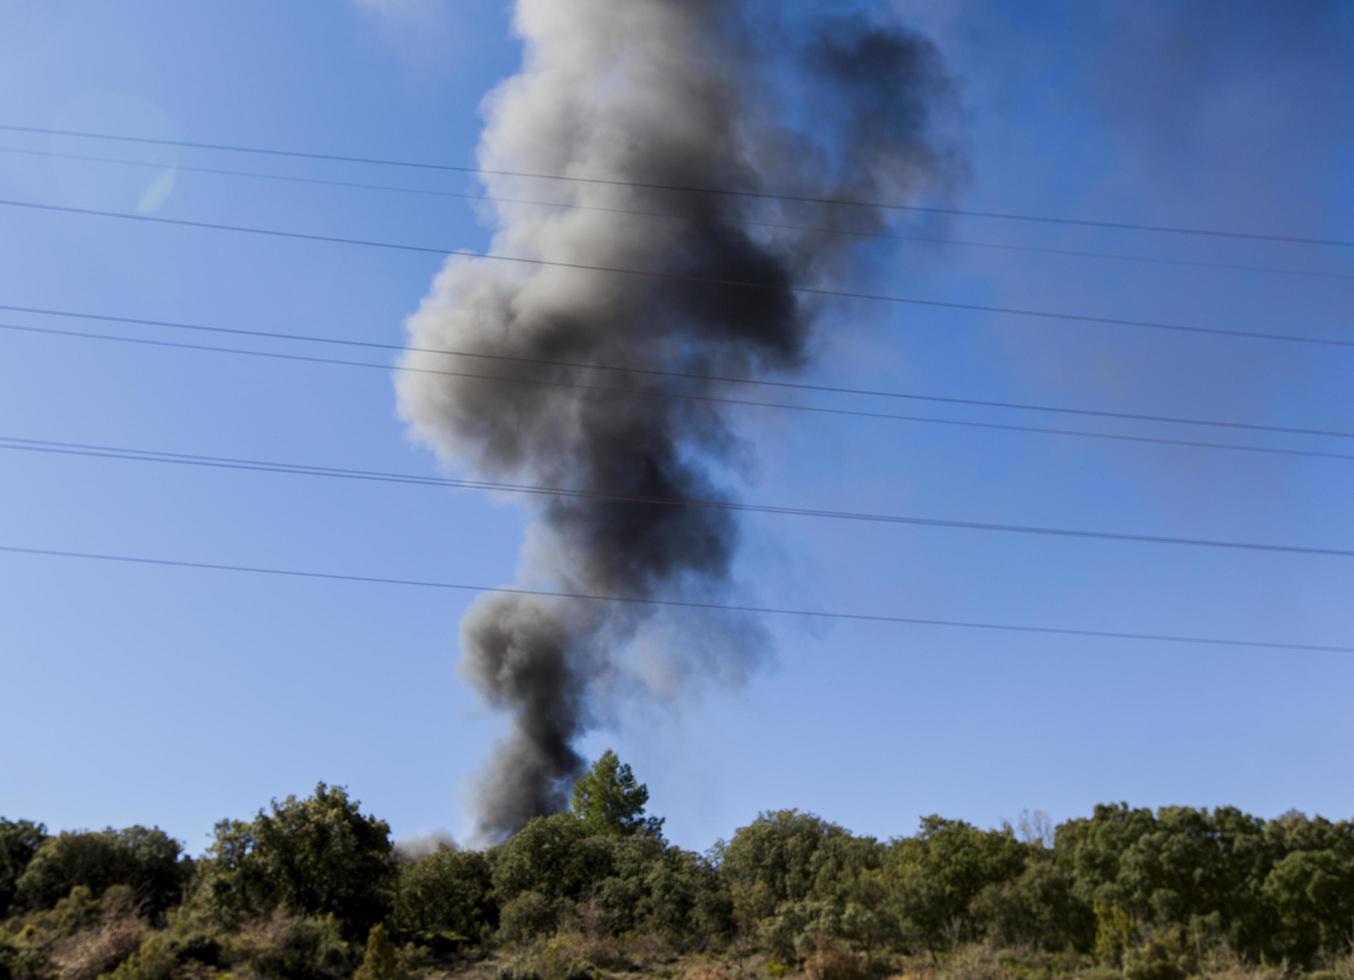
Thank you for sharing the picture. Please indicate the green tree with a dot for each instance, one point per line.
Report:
(775, 859)
(19, 841)
(609, 800)
(145, 859)
(318, 856)
(788, 875)
(1180, 867)
(622, 897)
(554, 856)
(935, 877)
(686, 901)
(529, 915)
(1039, 908)
(1311, 895)
(445, 893)
(555, 869)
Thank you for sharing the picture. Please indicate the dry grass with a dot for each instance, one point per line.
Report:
(706, 971)
(89, 954)
(1226, 965)
(974, 963)
(1343, 968)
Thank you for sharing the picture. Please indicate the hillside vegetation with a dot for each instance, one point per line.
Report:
(314, 889)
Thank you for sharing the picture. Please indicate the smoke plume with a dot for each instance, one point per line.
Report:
(685, 93)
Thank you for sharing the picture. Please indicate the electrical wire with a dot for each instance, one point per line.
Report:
(78, 449)
(636, 212)
(674, 603)
(683, 375)
(683, 188)
(685, 396)
(699, 280)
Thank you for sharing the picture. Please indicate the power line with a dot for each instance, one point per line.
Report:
(684, 396)
(113, 452)
(637, 212)
(673, 603)
(698, 280)
(689, 189)
(682, 375)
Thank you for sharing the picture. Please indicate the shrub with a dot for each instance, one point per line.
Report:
(445, 893)
(516, 970)
(21, 958)
(78, 910)
(563, 957)
(1225, 964)
(833, 961)
(379, 962)
(287, 947)
(975, 963)
(528, 916)
(154, 960)
(571, 956)
(1154, 960)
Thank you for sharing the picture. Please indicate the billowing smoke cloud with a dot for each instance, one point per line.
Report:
(691, 93)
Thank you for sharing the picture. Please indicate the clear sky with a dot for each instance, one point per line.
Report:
(177, 698)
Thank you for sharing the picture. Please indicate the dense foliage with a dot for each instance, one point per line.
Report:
(318, 856)
(149, 862)
(313, 888)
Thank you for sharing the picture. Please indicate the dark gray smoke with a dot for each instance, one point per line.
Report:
(679, 92)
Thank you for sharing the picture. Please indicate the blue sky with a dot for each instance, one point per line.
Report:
(178, 698)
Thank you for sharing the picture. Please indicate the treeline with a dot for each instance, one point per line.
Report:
(314, 888)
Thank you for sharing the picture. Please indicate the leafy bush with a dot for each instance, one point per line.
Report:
(445, 894)
(833, 961)
(975, 962)
(155, 959)
(529, 915)
(318, 856)
(1155, 960)
(286, 947)
(568, 956)
(23, 957)
(380, 961)
(78, 910)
